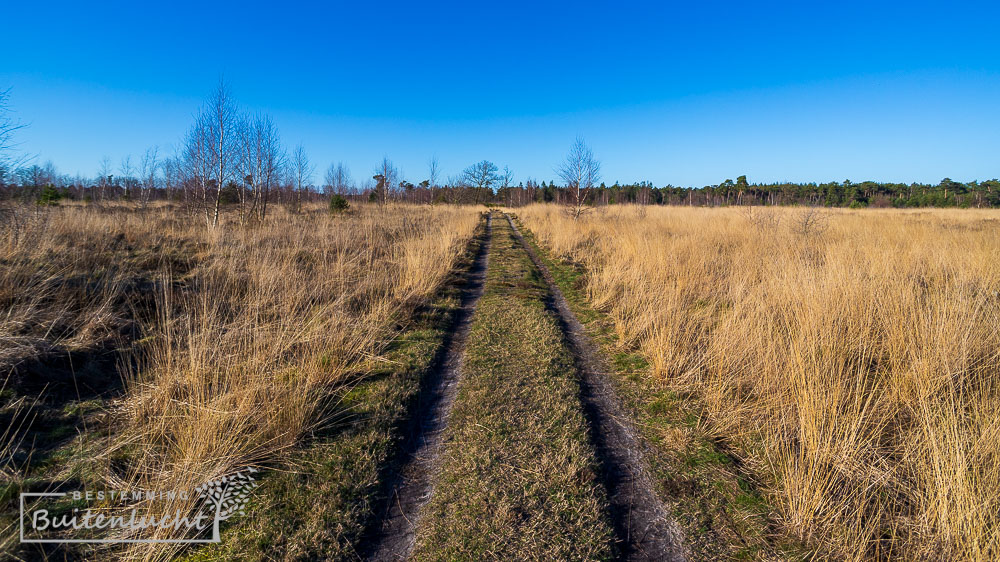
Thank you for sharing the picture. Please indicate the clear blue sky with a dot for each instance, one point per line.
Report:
(688, 93)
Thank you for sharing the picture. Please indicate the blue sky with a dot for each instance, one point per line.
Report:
(683, 93)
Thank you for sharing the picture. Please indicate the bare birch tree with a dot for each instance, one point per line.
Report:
(7, 128)
(338, 179)
(247, 164)
(386, 177)
(222, 116)
(148, 167)
(171, 176)
(261, 161)
(302, 171)
(125, 171)
(104, 181)
(581, 172)
(506, 178)
(198, 161)
(433, 172)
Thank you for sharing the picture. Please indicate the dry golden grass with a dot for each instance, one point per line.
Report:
(248, 329)
(852, 361)
(63, 273)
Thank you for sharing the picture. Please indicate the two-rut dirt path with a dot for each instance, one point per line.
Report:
(395, 537)
(644, 528)
(643, 524)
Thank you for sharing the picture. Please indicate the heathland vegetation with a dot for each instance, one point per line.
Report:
(797, 380)
(849, 358)
(43, 183)
(232, 342)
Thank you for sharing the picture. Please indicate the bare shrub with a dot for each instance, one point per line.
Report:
(764, 220)
(810, 222)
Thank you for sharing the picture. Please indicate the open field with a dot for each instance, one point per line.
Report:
(412, 282)
(232, 342)
(848, 358)
(419, 382)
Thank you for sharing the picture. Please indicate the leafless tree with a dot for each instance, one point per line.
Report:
(7, 128)
(247, 164)
(764, 220)
(338, 179)
(125, 171)
(171, 176)
(198, 160)
(148, 167)
(302, 172)
(482, 176)
(104, 172)
(261, 162)
(386, 177)
(39, 176)
(221, 115)
(434, 171)
(274, 160)
(506, 178)
(581, 172)
(329, 179)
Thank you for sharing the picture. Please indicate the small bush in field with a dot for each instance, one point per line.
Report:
(338, 204)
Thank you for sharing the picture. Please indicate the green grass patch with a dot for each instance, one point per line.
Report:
(519, 477)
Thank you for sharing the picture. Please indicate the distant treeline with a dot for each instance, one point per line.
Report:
(230, 156)
(947, 193)
(42, 184)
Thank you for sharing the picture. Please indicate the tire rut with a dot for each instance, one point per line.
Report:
(412, 485)
(645, 529)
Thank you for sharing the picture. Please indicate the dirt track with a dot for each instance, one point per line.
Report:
(413, 485)
(644, 528)
(643, 524)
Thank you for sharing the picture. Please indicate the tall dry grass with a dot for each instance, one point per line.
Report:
(64, 275)
(246, 332)
(853, 362)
